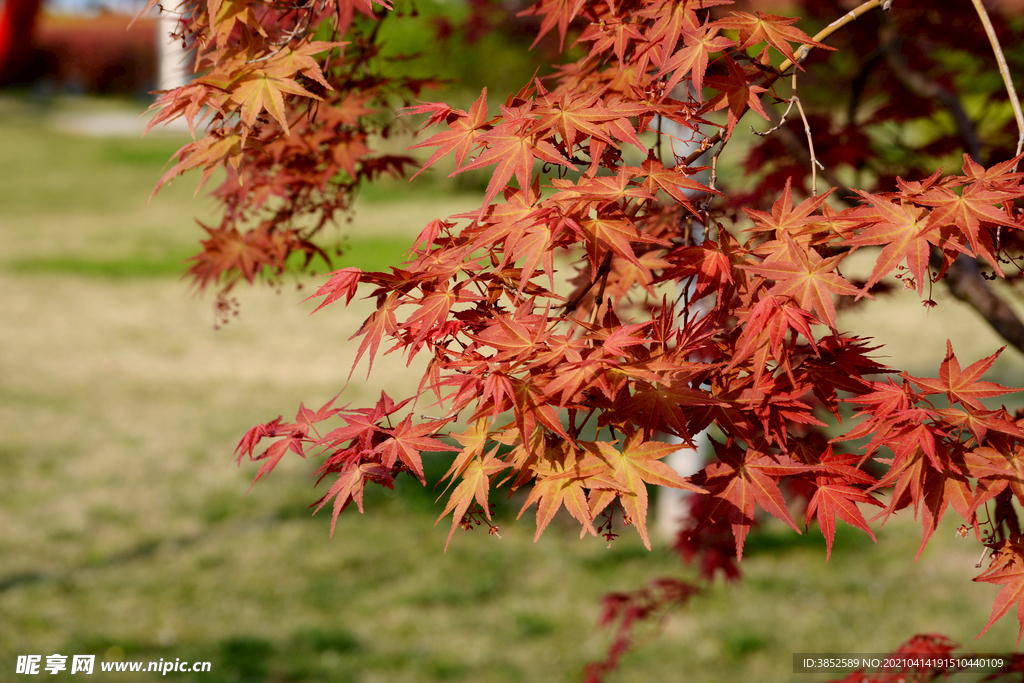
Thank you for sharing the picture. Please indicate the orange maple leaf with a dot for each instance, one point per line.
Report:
(560, 480)
(514, 148)
(638, 463)
(463, 130)
(1006, 570)
(262, 90)
(904, 231)
(475, 486)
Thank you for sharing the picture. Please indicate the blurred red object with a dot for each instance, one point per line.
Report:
(96, 54)
(17, 18)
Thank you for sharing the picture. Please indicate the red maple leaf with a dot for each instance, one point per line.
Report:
(463, 131)
(1001, 176)
(801, 272)
(432, 312)
(343, 283)
(995, 471)
(615, 33)
(769, 28)
(606, 232)
(963, 385)
(736, 92)
(556, 13)
(380, 322)
(513, 147)
(904, 230)
(230, 250)
(797, 221)
(741, 479)
(672, 181)
(574, 113)
(836, 496)
(692, 60)
(406, 441)
(349, 485)
(967, 211)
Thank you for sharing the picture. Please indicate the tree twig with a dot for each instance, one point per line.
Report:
(599, 298)
(815, 164)
(804, 50)
(782, 121)
(574, 301)
(798, 150)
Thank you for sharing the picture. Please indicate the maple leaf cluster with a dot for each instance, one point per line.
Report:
(289, 118)
(679, 314)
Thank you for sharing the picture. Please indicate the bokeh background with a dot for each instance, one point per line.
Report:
(125, 528)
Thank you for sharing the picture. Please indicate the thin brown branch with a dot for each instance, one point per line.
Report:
(1004, 71)
(599, 298)
(799, 150)
(815, 164)
(839, 23)
(713, 177)
(805, 50)
(780, 124)
(574, 301)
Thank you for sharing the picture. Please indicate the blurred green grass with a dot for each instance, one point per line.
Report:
(128, 534)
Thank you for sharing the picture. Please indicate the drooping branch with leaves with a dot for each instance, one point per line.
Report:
(565, 388)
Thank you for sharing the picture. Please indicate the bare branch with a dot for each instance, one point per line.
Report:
(799, 150)
(782, 121)
(839, 23)
(815, 164)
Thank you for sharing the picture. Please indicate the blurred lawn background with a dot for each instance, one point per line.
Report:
(127, 534)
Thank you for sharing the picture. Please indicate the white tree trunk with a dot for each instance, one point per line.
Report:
(672, 504)
(174, 71)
